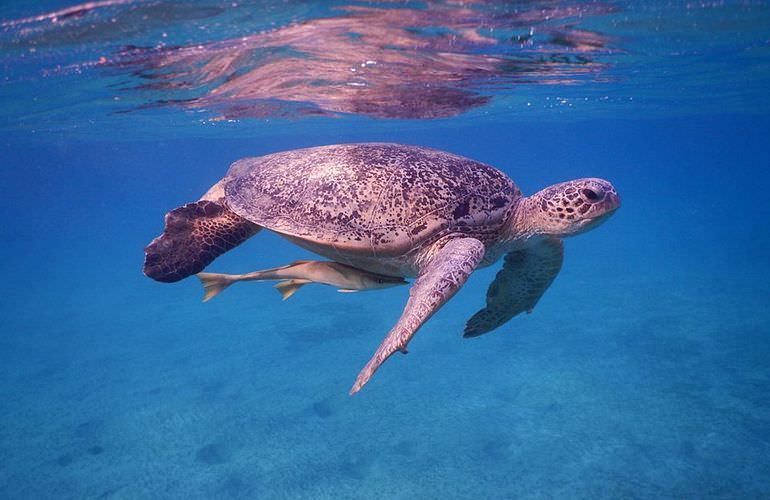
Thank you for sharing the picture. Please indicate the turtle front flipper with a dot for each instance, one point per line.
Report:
(441, 278)
(194, 235)
(524, 278)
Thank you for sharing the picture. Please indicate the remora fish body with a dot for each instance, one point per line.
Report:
(299, 273)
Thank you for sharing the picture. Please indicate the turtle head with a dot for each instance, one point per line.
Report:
(570, 208)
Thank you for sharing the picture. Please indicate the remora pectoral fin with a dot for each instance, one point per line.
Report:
(524, 278)
(289, 287)
(441, 278)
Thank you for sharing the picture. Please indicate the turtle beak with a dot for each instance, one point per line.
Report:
(604, 210)
(606, 207)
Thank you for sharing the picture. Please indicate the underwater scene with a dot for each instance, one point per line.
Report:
(568, 199)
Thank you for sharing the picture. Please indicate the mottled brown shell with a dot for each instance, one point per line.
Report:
(374, 199)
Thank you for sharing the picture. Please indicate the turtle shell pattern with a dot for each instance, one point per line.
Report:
(371, 199)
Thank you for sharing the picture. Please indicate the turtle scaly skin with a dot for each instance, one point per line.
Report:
(193, 236)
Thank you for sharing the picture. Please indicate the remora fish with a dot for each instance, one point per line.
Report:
(300, 273)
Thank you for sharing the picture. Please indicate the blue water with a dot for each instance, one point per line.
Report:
(642, 373)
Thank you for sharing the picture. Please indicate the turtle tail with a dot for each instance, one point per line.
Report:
(194, 235)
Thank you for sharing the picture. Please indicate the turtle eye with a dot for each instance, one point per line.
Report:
(592, 194)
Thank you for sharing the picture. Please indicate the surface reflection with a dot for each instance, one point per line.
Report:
(397, 60)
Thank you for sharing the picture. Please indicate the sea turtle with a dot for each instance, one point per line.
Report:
(393, 210)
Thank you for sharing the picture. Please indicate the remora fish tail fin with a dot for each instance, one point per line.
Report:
(214, 284)
(289, 287)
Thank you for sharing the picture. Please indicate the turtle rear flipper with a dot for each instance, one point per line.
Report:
(194, 235)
